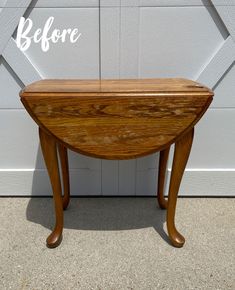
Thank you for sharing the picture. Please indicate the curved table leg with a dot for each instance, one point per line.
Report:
(49, 151)
(182, 151)
(161, 178)
(65, 173)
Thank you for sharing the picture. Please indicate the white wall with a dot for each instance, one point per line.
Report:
(121, 39)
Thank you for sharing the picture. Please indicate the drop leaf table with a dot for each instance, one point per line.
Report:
(116, 119)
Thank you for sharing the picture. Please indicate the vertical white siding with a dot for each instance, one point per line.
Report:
(22, 170)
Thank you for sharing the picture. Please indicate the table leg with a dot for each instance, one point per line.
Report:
(65, 173)
(49, 150)
(161, 177)
(181, 154)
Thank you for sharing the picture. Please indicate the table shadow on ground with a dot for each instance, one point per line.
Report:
(101, 214)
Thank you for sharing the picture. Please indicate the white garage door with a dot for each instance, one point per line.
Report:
(121, 38)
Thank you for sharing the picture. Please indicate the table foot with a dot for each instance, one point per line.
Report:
(49, 150)
(65, 174)
(161, 178)
(181, 154)
(55, 238)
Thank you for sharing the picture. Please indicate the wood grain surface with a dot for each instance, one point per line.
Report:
(166, 86)
(116, 119)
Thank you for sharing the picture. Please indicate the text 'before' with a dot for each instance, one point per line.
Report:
(43, 36)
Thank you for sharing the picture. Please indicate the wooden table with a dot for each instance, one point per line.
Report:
(116, 119)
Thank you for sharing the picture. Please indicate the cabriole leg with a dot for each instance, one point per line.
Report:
(65, 173)
(49, 151)
(181, 154)
(161, 177)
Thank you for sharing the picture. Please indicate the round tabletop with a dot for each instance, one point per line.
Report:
(116, 119)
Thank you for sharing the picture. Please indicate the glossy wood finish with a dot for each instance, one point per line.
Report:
(161, 177)
(49, 150)
(65, 174)
(165, 86)
(181, 154)
(116, 119)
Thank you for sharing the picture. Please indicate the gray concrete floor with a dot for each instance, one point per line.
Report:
(117, 243)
